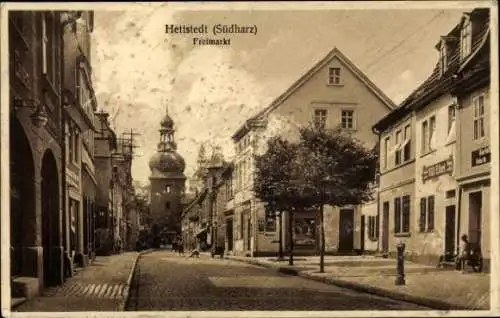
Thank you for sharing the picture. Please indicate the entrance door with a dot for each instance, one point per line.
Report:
(385, 228)
(229, 234)
(475, 207)
(346, 230)
(449, 239)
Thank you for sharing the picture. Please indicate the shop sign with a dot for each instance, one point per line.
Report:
(440, 168)
(481, 156)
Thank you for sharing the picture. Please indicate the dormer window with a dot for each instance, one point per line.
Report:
(466, 38)
(334, 76)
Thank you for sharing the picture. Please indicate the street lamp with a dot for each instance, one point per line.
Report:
(39, 118)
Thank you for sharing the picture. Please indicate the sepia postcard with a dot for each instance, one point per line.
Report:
(240, 159)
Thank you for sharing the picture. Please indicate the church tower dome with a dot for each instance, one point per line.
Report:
(166, 161)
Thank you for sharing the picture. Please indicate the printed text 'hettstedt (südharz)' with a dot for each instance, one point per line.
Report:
(204, 30)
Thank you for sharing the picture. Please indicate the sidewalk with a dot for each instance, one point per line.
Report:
(425, 285)
(102, 286)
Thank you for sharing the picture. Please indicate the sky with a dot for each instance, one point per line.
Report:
(210, 91)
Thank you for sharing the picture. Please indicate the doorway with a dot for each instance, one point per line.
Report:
(475, 207)
(385, 227)
(346, 230)
(50, 221)
(229, 234)
(363, 223)
(22, 194)
(449, 239)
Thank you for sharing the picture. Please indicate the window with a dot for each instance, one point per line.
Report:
(373, 231)
(48, 46)
(450, 194)
(347, 119)
(451, 118)
(426, 222)
(407, 143)
(167, 205)
(402, 215)
(465, 39)
(386, 151)
(478, 103)
(167, 189)
(334, 76)
(443, 57)
(320, 118)
(398, 148)
(432, 132)
(425, 137)
(428, 134)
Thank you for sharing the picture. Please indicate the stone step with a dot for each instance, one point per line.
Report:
(16, 301)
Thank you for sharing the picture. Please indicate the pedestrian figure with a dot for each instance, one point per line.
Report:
(196, 251)
(180, 247)
(464, 252)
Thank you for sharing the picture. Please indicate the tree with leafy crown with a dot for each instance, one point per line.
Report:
(337, 170)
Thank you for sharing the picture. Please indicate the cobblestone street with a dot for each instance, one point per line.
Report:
(165, 281)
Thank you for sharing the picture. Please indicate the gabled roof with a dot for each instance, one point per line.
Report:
(334, 53)
(437, 84)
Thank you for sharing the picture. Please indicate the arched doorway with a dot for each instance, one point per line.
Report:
(50, 220)
(22, 193)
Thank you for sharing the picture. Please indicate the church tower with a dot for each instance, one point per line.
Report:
(167, 184)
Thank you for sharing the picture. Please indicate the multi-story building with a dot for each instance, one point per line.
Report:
(204, 221)
(124, 228)
(36, 159)
(426, 151)
(107, 199)
(473, 165)
(334, 93)
(79, 107)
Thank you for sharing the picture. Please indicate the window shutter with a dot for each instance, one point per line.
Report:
(397, 215)
(377, 226)
(421, 222)
(430, 214)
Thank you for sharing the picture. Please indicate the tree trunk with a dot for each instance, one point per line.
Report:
(322, 240)
(290, 236)
(280, 241)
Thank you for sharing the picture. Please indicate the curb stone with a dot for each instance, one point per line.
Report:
(124, 300)
(432, 303)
